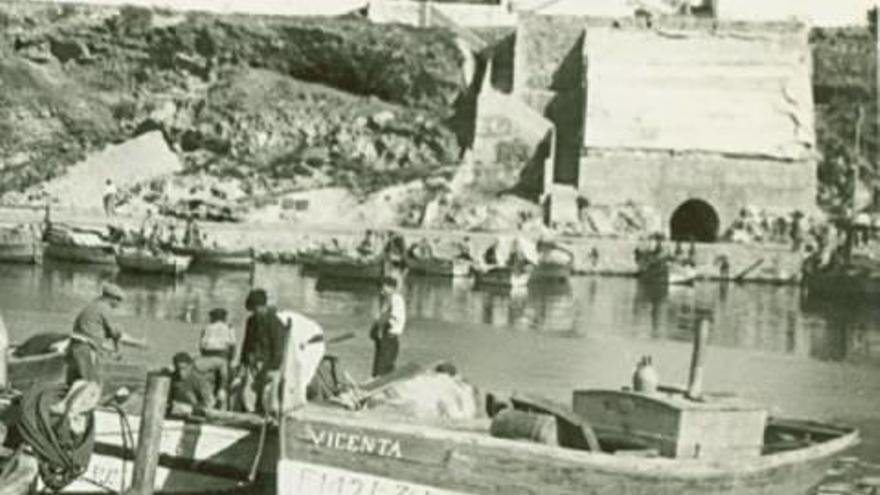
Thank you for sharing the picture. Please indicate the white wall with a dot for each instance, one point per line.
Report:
(823, 13)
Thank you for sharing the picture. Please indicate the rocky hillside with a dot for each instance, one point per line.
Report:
(297, 101)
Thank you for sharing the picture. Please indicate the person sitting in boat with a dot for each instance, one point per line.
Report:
(367, 246)
(190, 389)
(421, 250)
(217, 349)
(262, 349)
(463, 249)
(388, 327)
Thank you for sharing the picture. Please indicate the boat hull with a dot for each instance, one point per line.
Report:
(98, 255)
(21, 252)
(502, 278)
(439, 267)
(195, 458)
(218, 258)
(340, 449)
(551, 273)
(148, 263)
(350, 268)
(52, 368)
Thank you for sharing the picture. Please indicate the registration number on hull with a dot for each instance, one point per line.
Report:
(300, 478)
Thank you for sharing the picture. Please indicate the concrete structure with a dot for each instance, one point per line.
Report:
(821, 13)
(696, 119)
(699, 123)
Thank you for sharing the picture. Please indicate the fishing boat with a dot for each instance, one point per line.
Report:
(18, 473)
(196, 456)
(636, 442)
(439, 267)
(350, 267)
(502, 277)
(75, 245)
(217, 257)
(551, 273)
(139, 260)
(95, 254)
(51, 367)
(20, 244)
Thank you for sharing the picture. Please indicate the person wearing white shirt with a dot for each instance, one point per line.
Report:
(110, 198)
(388, 328)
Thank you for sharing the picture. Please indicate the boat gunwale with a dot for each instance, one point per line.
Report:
(664, 467)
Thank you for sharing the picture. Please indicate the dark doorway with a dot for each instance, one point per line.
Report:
(694, 220)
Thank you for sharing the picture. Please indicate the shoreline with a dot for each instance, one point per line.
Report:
(279, 241)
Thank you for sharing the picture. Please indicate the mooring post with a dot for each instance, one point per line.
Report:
(150, 434)
(4, 347)
(695, 382)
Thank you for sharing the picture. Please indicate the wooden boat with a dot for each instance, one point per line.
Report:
(143, 261)
(29, 252)
(102, 254)
(323, 448)
(439, 267)
(681, 274)
(342, 266)
(217, 257)
(18, 474)
(196, 456)
(502, 278)
(551, 273)
(51, 368)
(859, 278)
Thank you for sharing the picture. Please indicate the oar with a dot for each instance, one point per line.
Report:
(340, 338)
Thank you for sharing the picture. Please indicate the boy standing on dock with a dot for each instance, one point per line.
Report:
(388, 328)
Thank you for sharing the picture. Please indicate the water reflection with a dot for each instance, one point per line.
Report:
(767, 319)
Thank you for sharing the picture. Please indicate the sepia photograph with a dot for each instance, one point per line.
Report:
(439, 247)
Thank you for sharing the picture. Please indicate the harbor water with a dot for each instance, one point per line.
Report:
(802, 358)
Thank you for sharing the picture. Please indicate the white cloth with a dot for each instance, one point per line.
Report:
(393, 314)
(217, 336)
(302, 356)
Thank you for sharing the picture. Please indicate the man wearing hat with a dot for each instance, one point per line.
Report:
(91, 328)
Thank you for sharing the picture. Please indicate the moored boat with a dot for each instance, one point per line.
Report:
(20, 244)
(216, 257)
(502, 277)
(104, 254)
(681, 274)
(139, 260)
(439, 267)
(350, 267)
(551, 273)
(51, 367)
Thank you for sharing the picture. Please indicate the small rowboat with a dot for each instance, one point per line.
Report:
(29, 252)
(551, 273)
(502, 278)
(18, 475)
(101, 254)
(51, 367)
(341, 266)
(218, 257)
(143, 261)
(439, 267)
(196, 457)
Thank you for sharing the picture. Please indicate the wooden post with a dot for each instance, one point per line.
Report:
(150, 434)
(695, 382)
(4, 347)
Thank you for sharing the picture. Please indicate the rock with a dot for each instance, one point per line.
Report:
(836, 488)
(872, 481)
(68, 49)
(382, 119)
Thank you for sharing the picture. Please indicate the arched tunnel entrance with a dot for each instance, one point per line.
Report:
(694, 220)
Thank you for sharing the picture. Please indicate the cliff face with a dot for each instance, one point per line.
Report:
(326, 101)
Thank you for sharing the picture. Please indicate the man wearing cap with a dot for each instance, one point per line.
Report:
(91, 328)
